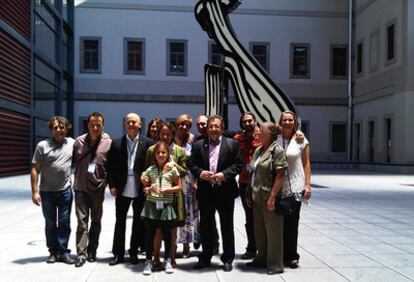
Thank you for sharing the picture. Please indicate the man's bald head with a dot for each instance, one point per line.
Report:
(132, 124)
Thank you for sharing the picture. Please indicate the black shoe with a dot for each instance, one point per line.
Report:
(200, 265)
(67, 259)
(227, 267)
(80, 262)
(133, 259)
(293, 264)
(248, 255)
(91, 257)
(196, 245)
(116, 260)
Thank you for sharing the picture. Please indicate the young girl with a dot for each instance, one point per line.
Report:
(160, 183)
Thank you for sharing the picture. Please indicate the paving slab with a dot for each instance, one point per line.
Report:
(358, 227)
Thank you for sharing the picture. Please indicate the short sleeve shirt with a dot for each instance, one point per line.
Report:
(163, 180)
(55, 160)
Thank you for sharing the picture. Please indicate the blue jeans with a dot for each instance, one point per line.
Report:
(56, 207)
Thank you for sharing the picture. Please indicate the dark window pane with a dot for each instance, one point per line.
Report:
(339, 61)
(216, 55)
(359, 58)
(338, 138)
(177, 53)
(300, 60)
(134, 56)
(390, 42)
(91, 54)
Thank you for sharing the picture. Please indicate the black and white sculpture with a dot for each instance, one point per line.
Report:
(253, 89)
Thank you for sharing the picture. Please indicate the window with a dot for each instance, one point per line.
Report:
(390, 45)
(260, 52)
(338, 62)
(215, 56)
(177, 57)
(374, 51)
(134, 56)
(83, 125)
(299, 60)
(388, 139)
(304, 127)
(338, 137)
(90, 55)
(371, 140)
(360, 57)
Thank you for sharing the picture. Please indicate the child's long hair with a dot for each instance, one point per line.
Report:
(157, 146)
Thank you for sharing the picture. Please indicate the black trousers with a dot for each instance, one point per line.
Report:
(151, 226)
(138, 226)
(290, 235)
(249, 226)
(225, 209)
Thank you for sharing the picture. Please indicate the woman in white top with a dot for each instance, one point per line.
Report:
(297, 177)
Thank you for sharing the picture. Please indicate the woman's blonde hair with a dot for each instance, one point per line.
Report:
(182, 118)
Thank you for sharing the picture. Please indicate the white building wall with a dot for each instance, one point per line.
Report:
(386, 92)
(319, 23)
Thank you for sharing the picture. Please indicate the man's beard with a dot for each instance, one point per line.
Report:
(248, 128)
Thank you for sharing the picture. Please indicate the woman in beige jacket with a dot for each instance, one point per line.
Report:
(267, 173)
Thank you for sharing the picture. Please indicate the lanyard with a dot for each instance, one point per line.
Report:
(159, 177)
(131, 152)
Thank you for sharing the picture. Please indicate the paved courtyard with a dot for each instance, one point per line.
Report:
(358, 227)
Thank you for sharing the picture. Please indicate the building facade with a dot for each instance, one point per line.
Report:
(36, 75)
(384, 83)
(149, 59)
(72, 57)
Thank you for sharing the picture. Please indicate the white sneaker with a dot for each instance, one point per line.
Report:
(168, 267)
(147, 267)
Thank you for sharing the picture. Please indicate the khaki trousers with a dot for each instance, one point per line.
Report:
(268, 228)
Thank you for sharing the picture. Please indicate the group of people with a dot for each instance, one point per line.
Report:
(175, 182)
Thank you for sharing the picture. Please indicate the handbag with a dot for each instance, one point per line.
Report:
(285, 205)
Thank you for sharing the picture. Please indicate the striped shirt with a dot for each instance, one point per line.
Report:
(163, 180)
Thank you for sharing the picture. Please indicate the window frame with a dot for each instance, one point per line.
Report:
(81, 55)
(168, 53)
(267, 45)
(331, 62)
(308, 60)
(125, 51)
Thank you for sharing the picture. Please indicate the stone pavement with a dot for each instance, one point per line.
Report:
(359, 227)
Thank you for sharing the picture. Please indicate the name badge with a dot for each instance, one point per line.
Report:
(159, 205)
(91, 168)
